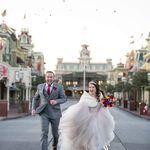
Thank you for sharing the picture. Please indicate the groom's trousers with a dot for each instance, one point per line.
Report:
(45, 131)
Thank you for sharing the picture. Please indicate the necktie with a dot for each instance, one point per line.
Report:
(48, 89)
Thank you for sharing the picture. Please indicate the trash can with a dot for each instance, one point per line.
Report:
(3, 108)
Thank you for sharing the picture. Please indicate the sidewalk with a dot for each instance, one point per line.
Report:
(15, 115)
(136, 113)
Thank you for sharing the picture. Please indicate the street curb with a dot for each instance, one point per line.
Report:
(138, 115)
(14, 117)
(21, 116)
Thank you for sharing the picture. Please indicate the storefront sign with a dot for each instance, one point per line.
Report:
(3, 71)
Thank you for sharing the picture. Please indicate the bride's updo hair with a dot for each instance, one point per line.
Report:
(98, 91)
(97, 88)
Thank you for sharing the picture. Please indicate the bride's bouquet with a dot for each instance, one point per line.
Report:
(108, 101)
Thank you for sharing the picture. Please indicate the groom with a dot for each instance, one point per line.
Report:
(49, 96)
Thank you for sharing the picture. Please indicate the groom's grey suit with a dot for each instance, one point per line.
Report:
(48, 113)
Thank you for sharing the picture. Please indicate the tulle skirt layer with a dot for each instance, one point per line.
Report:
(85, 128)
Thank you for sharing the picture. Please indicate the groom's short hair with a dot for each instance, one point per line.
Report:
(50, 72)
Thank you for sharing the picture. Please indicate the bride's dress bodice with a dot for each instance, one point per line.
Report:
(91, 101)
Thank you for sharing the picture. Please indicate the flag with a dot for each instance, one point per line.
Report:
(3, 13)
(141, 35)
(132, 42)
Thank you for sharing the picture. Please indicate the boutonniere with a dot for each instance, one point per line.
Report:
(55, 88)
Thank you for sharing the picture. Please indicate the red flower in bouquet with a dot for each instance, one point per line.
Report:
(108, 101)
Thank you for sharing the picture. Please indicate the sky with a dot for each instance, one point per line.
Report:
(60, 27)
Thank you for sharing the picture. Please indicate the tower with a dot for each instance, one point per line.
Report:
(84, 55)
(148, 41)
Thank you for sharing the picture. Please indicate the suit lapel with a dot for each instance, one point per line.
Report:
(44, 90)
(53, 89)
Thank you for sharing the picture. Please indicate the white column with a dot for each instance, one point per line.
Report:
(1, 56)
(0, 89)
(27, 93)
(29, 98)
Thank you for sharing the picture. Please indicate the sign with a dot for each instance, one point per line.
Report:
(3, 71)
(19, 76)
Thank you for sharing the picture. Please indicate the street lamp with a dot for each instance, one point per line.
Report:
(142, 87)
(125, 102)
(74, 87)
(124, 80)
(84, 77)
(148, 77)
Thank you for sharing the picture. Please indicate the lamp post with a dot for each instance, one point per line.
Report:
(125, 102)
(84, 77)
(142, 87)
(67, 87)
(74, 88)
(148, 77)
(124, 80)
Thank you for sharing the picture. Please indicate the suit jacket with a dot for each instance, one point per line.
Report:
(44, 106)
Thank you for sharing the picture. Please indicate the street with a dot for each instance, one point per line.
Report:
(132, 132)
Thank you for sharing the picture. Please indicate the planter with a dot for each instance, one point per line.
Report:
(132, 105)
(3, 108)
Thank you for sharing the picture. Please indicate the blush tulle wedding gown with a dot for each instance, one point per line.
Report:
(86, 126)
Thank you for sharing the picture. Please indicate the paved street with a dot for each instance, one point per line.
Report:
(132, 133)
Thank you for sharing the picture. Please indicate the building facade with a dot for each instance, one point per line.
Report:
(76, 75)
(18, 65)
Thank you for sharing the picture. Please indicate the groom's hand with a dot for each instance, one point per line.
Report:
(53, 102)
(33, 113)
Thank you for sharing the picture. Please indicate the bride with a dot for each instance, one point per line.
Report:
(86, 125)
